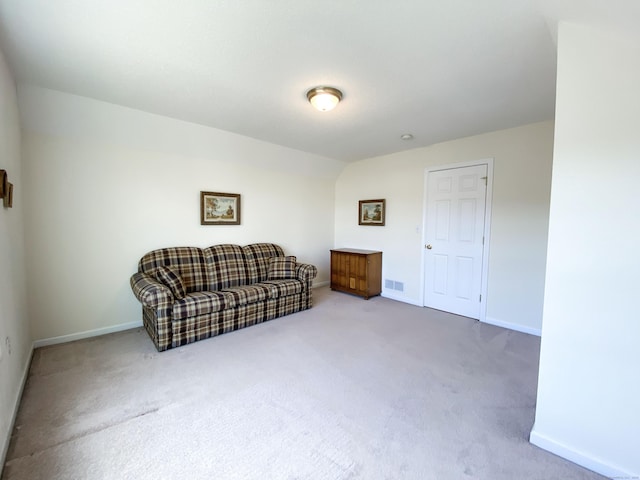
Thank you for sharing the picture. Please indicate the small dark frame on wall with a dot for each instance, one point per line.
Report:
(4, 182)
(371, 212)
(219, 208)
(8, 196)
(6, 189)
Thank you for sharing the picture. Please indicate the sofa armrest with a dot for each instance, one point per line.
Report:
(306, 272)
(150, 292)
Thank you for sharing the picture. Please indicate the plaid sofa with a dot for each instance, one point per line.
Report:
(189, 294)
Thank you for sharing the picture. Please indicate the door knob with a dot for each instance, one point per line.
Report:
(429, 247)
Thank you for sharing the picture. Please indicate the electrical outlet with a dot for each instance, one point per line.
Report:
(8, 344)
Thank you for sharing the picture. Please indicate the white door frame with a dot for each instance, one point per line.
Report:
(487, 226)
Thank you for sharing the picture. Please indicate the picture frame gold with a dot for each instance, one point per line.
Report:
(219, 208)
(372, 212)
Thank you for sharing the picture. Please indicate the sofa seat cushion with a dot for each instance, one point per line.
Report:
(199, 303)
(283, 288)
(245, 294)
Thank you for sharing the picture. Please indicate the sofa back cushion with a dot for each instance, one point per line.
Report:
(187, 262)
(226, 266)
(258, 255)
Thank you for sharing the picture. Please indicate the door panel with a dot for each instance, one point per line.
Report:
(443, 209)
(455, 210)
(466, 220)
(440, 274)
(464, 276)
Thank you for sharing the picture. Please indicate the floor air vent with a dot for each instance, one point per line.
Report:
(393, 285)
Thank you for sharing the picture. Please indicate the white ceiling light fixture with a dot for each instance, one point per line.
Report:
(324, 98)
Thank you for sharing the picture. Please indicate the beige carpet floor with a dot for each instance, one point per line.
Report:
(351, 389)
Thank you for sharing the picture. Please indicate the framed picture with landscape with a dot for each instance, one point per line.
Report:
(371, 212)
(219, 208)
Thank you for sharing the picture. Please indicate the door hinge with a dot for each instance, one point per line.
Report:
(480, 299)
(485, 180)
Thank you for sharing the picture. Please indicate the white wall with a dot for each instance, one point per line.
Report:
(589, 380)
(15, 340)
(522, 177)
(106, 184)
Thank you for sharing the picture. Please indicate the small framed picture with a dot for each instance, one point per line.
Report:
(4, 183)
(8, 196)
(371, 212)
(219, 208)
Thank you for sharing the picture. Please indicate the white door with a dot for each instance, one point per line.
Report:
(454, 229)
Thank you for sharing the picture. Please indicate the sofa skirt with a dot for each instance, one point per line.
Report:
(192, 329)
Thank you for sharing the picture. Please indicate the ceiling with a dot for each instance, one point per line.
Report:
(438, 70)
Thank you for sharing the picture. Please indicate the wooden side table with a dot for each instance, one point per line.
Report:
(356, 271)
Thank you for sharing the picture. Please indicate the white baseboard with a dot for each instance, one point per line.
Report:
(400, 298)
(87, 334)
(595, 464)
(16, 407)
(320, 284)
(513, 326)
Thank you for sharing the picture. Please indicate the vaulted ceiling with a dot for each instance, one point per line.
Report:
(438, 70)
